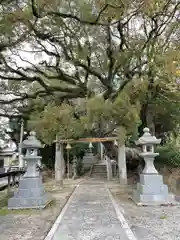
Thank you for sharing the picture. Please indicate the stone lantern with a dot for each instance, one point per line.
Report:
(147, 141)
(31, 193)
(150, 190)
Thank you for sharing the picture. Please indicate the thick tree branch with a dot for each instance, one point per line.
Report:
(5, 45)
(42, 93)
(120, 28)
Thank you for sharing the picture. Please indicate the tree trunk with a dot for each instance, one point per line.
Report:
(147, 119)
(147, 109)
(150, 120)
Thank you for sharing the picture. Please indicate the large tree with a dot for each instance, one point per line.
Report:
(88, 48)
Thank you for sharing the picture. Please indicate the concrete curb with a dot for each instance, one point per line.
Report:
(123, 222)
(52, 231)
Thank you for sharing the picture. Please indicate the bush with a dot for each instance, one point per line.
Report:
(168, 155)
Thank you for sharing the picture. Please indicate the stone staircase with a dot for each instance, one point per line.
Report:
(98, 171)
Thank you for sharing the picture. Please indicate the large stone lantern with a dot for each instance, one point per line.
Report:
(31, 193)
(150, 190)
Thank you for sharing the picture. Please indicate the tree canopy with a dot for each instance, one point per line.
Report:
(118, 57)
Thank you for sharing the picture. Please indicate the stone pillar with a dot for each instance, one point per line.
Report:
(20, 156)
(101, 151)
(21, 161)
(109, 168)
(31, 193)
(62, 161)
(150, 190)
(122, 164)
(74, 168)
(59, 163)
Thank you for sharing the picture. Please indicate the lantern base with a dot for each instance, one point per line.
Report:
(37, 203)
(31, 194)
(152, 191)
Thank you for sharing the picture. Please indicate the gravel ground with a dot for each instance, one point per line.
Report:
(34, 224)
(149, 223)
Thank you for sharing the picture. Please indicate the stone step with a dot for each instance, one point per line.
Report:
(101, 168)
(99, 176)
(99, 171)
(99, 164)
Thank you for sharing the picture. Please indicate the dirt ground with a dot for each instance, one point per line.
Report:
(34, 224)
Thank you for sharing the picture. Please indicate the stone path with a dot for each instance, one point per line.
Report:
(90, 215)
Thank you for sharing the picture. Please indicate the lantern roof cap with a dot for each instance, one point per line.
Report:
(147, 138)
(31, 141)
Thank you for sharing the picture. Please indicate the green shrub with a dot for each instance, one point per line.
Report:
(168, 155)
